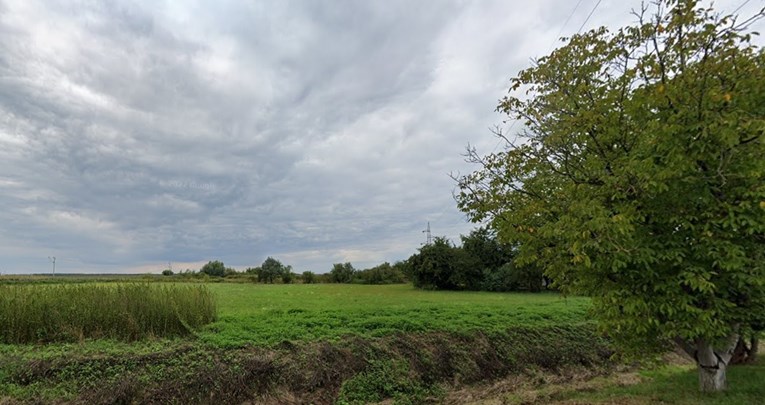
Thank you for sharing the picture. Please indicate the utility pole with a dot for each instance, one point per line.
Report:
(429, 237)
(53, 259)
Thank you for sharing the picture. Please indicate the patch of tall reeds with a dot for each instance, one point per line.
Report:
(125, 311)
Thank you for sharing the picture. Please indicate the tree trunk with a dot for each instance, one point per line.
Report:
(713, 364)
(745, 351)
(753, 347)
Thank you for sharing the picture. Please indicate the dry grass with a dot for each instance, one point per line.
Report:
(541, 387)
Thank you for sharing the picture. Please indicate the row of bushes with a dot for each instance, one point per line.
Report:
(273, 271)
(385, 273)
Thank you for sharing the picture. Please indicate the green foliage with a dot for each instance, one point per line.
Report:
(214, 268)
(309, 277)
(342, 273)
(482, 243)
(443, 266)
(287, 275)
(501, 279)
(383, 379)
(381, 274)
(125, 311)
(167, 272)
(677, 384)
(272, 270)
(267, 315)
(641, 178)
(510, 277)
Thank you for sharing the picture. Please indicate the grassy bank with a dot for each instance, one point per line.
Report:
(676, 384)
(409, 368)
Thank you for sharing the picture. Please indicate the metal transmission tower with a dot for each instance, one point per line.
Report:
(53, 259)
(429, 239)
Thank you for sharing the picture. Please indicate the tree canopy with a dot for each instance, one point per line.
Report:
(639, 178)
(342, 273)
(214, 268)
(273, 269)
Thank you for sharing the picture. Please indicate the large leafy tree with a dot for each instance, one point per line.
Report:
(342, 273)
(214, 268)
(272, 270)
(639, 179)
(442, 266)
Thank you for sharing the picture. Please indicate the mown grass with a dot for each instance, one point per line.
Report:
(679, 384)
(125, 311)
(265, 315)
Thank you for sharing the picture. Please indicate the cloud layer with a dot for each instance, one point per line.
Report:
(137, 133)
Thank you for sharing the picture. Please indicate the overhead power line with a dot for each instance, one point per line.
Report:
(588, 16)
(740, 7)
(562, 27)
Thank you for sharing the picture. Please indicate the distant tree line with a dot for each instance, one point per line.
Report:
(480, 263)
(273, 271)
(384, 273)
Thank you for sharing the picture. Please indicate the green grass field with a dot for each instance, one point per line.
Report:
(269, 314)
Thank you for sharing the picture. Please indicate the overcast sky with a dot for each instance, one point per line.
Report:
(133, 134)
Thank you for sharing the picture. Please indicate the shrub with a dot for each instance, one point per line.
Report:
(214, 268)
(342, 273)
(501, 279)
(287, 275)
(130, 311)
(382, 274)
(167, 272)
(309, 277)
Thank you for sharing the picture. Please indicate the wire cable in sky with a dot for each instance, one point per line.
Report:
(500, 139)
(571, 14)
(739, 7)
(588, 17)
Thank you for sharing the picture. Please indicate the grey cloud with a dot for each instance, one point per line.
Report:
(136, 133)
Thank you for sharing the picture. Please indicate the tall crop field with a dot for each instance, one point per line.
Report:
(128, 311)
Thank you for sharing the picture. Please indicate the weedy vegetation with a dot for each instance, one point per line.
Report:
(120, 311)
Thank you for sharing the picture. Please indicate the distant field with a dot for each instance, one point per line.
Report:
(268, 314)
